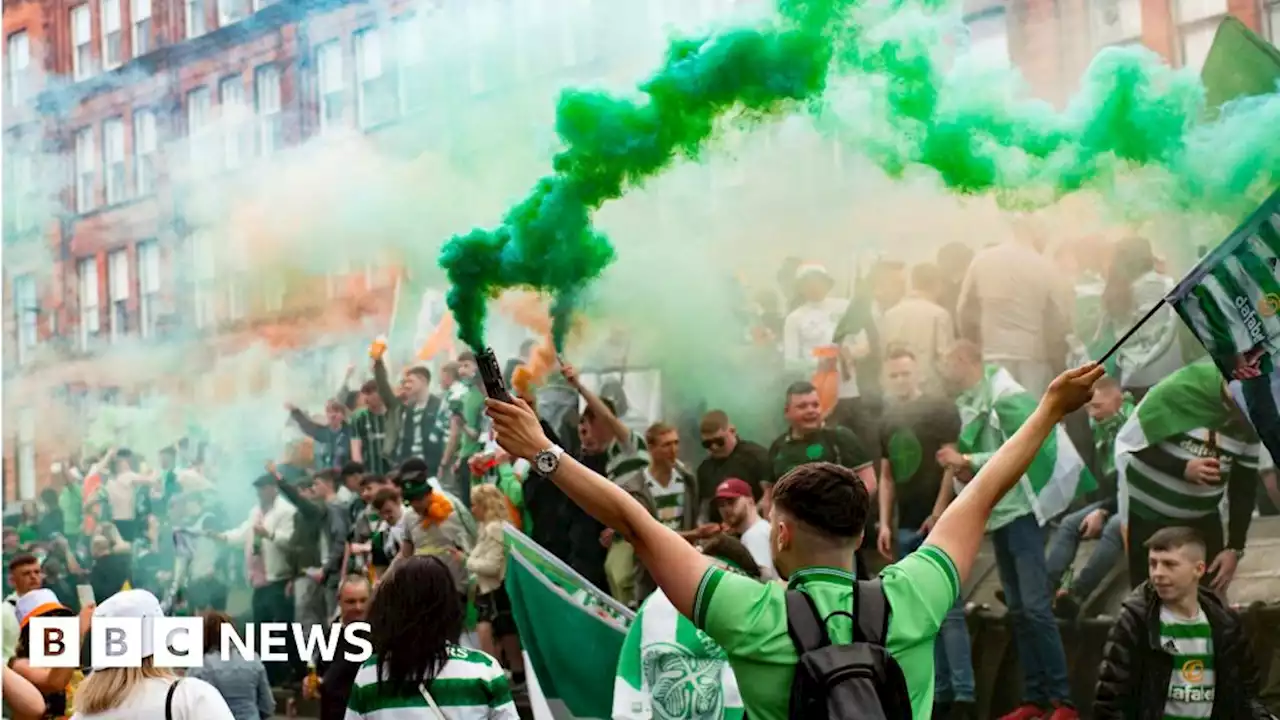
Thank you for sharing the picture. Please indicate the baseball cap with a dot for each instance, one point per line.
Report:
(38, 603)
(134, 604)
(733, 488)
(807, 269)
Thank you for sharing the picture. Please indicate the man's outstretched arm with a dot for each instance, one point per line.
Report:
(959, 531)
(676, 566)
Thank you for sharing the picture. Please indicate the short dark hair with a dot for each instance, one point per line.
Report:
(827, 497)
(449, 369)
(656, 431)
(22, 560)
(897, 352)
(713, 421)
(373, 479)
(369, 387)
(352, 468)
(421, 371)
(731, 549)
(800, 387)
(466, 356)
(384, 496)
(1175, 538)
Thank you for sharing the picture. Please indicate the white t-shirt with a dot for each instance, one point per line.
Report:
(194, 699)
(756, 540)
(808, 327)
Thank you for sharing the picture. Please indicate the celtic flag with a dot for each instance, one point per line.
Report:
(1231, 302)
(572, 632)
(671, 670)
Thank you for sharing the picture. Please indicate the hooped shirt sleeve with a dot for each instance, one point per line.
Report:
(921, 589)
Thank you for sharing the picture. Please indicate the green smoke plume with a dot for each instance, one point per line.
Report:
(1132, 111)
(547, 242)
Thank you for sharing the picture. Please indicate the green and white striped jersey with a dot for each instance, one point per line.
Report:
(1191, 684)
(1235, 306)
(1156, 494)
(669, 500)
(470, 686)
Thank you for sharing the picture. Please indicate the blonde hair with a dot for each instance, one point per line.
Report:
(489, 503)
(107, 689)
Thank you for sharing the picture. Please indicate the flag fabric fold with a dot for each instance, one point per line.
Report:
(992, 412)
(572, 632)
(1231, 303)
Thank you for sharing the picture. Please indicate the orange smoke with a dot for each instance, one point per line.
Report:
(440, 340)
(827, 381)
(541, 362)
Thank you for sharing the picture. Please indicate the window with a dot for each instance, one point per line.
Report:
(198, 109)
(26, 459)
(113, 154)
(81, 43)
(148, 287)
(144, 150)
(1115, 22)
(24, 206)
(266, 91)
(989, 39)
(329, 67)
(19, 65)
(202, 260)
(375, 83)
(86, 169)
(411, 44)
(232, 11)
(235, 121)
(140, 15)
(197, 24)
(1196, 41)
(118, 291)
(89, 316)
(112, 36)
(26, 309)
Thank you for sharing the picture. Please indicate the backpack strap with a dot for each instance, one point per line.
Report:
(168, 700)
(871, 611)
(805, 626)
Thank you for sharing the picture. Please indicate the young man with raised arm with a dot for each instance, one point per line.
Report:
(816, 523)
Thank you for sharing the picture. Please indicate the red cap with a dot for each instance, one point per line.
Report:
(733, 488)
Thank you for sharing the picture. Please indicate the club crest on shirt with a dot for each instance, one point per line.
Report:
(1193, 671)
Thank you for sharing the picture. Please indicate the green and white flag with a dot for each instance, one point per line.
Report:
(1231, 302)
(1176, 419)
(671, 670)
(572, 632)
(991, 413)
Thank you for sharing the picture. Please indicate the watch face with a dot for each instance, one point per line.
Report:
(545, 462)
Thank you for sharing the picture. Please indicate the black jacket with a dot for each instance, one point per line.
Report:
(1133, 681)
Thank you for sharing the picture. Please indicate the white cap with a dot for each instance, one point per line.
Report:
(38, 602)
(134, 604)
(807, 269)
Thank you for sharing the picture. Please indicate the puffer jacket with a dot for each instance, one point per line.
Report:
(1133, 682)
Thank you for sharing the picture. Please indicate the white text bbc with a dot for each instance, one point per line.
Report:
(178, 642)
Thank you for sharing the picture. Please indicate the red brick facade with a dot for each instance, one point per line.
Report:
(1048, 40)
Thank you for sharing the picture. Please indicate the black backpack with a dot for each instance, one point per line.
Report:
(860, 680)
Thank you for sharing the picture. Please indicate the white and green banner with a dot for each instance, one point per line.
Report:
(572, 631)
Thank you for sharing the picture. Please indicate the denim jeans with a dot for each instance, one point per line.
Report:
(1065, 543)
(952, 655)
(1020, 559)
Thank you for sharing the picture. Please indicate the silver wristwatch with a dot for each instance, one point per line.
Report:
(548, 460)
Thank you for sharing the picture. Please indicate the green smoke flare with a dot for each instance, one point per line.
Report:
(547, 243)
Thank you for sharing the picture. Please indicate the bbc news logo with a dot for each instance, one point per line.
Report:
(178, 642)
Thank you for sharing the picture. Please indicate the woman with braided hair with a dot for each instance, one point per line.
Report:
(418, 669)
